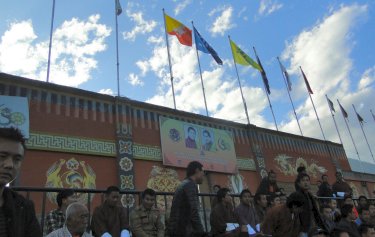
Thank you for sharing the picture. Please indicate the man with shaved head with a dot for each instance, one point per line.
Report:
(77, 220)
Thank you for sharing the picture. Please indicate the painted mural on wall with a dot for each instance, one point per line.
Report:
(236, 183)
(288, 166)
(163, 180)
(70, 173)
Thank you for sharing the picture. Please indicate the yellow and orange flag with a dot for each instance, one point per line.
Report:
(174, 27)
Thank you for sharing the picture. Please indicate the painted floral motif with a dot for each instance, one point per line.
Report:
(125, 147)
(289, 165)
(126, 164)
(127, 200)
(127, 182)
(72, 164)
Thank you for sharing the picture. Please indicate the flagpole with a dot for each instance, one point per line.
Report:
(50, 40)
(169, 59)
(117, 57)
(334, 120)
(364, 134)
(290, 98)
(350, 133)
(200, 73)
(239, 83)
(269, 101)
(373, 116)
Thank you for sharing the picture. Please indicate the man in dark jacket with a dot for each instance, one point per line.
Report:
(17, 215)
(347, 221)
(268, 185)
(340, 186)
(184, 219)
(325, 189)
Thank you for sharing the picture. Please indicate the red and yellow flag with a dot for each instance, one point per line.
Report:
(174, 27)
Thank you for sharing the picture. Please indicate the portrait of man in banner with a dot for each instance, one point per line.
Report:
(207, 140)
(190, 137)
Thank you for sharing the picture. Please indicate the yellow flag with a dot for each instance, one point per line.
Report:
(242, 58)
(174, 27)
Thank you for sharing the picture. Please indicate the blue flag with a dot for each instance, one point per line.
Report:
(203, 46)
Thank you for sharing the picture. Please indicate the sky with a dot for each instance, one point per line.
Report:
(333, 41)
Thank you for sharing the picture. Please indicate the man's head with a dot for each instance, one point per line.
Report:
(224, 196)
(362, 201)
(112, 195)
(318, 232)
(195, 171)
(148, 198)
(326, 212)
(303, 181)
(348, 200)
(366, 230)
(333, 204)
(245, 197)
(12, 150)
(295, 202)
(216, 188)
(191, 133)
(77, 218)
(364, 213)
(371, 208)
(325, 178)
(272, 177)
(261, 200)
(347, 212)
(283, 199)
(65, 198)
(301, 169)
(338, 176)
(206, 137)
(274, 200)
(336, 232)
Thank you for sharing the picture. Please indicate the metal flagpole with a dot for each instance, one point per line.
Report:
(334, 120)
(373, 116)
(50, 40)
(290, 98)
(364, 134)
(200, 72)
(350, 133)
(117, 57)
(169, 59)
(265, 88)
(239, 83)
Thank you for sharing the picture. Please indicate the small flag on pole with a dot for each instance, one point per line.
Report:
(330, 103)
(344, 113)
(174, 27)
(373, 116)
(360, 119)
(306, 82)
(286, 74)
(263, 73)
(118, 7)
(242, 58)
(203, 46)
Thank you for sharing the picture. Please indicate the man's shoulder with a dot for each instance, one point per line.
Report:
(17, 198)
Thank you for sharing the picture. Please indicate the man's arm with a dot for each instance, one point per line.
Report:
(98, 223)
(32, 225)
(136, 224)
(192, 196)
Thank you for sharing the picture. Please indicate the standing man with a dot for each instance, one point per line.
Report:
(340, 186)
(184, 219)
(77, 220)
(55, 219)
(145, 220)
(110, 218)
(268, 184)
(325, 189)
(17, 214)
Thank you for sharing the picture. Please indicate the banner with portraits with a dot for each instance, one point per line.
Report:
(14, 112)
(183, 142)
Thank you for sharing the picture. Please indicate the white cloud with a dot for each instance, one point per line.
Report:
(106, 91)
(324, 53)
(134, 80)
(181, 6)
(74, 46)
(267, 7)
(223, 22)
(141, 25)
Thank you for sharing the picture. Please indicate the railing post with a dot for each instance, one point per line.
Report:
(204, 214)
(43, 210)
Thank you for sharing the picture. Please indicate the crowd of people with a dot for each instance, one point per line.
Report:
(270, 212)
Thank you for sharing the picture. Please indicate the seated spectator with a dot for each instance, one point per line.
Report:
(371, 208)
(17, 214)
(77, 220)
(347, 221)
(318, 232)
(363, 216)
(268, 184)
(260, 205)
(337, 232)
(325, 189)
(245, 211)
(110, 218)
(55, 219)
(283, 199)
(300, 170)
(216, 188)
(274, 200)
(341, 186)
(366, 230)
(326, 213)
(349, 201)
(362, 201)
(145, 220)
(223, 214)
(284, 220)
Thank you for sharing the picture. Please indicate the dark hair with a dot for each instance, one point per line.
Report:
(296, 198)
(217, 186)
(324, 175)
(148, 191)
(324, 206)
(364, 228)
(338, 172)
(301, 169)
(361, 209)
(258, 195)
(13, 134)
(244, 191)
(337, 231)
(272, 197)
(348, 196)
(221, 194)
(207, 132)
(111, 189)
(63, 194)
(346, 209)
(271, 172)
(301, 176)
(192, 168)
(360, 197)
(191, 128)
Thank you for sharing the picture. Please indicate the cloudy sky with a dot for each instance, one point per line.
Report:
(331, 40)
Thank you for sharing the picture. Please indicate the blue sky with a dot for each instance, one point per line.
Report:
(331, 40)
